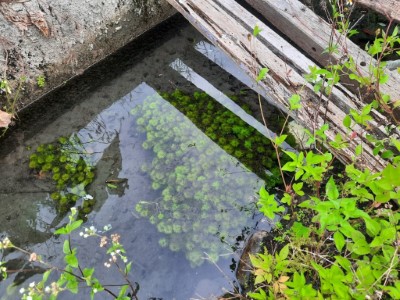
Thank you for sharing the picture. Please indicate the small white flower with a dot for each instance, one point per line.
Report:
(86, 230)
(124, 259)
(85, 235)
(95, 290)
(32, 284)
(81, 233)
(118, 251)
(21, 290)
(29, 298)
(73, 210)
(92, 228)
(88, 197)
(47, 289)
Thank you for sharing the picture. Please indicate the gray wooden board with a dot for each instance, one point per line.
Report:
(312, 34)
(228, 26)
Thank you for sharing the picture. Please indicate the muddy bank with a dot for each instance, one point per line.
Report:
(59, 39)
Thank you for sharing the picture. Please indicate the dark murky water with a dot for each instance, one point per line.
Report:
(169, 262)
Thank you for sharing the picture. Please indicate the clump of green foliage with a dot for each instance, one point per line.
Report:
(205, 193)
(71, 173)
(340, 239)
(230, 132)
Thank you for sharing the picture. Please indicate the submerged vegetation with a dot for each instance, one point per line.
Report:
(63, 162)
(230, 132)
(206, 194)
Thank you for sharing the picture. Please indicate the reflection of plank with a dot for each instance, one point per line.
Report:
(388, 8)
(313, 35)
(188, 73)
(228, 26)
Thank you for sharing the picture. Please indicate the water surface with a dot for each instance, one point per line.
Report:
(181, 249)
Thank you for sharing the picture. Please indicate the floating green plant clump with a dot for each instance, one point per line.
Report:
(206, 194)
(63, 163)
(230, 132)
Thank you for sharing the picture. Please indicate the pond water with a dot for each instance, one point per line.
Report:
(181, 196)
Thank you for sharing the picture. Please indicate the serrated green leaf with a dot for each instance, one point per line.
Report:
(292, 155)
(344, 263)
(395, 31)
(88, 272)
(280, 139)
(331, 189)
(361, 247)
(261, 295)
(339, 240)
(75, 225)
(387, 154)
(396, 143)
(286, 199)
(373, 227)
(383, 78)
(263, 193)
(388, 234)
(61, 230)
(123, 290)
(366, 109)
(300, 230)
(297, 187)
(73, 286)
(283, 254)
(294, 102)
(71, 260)
(358, 150)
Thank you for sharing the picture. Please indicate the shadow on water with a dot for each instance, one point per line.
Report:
(180, 202)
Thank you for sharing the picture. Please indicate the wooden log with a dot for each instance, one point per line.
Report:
(388, 8)
(219, 21)
(312, 34)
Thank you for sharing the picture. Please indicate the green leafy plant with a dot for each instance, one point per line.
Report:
(340, 238)
(74, 276)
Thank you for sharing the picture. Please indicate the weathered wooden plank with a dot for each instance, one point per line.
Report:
(216, 20)
(340, 96)
(312, 34)
(388, 8)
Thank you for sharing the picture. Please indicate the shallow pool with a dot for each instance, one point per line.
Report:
(182, 203)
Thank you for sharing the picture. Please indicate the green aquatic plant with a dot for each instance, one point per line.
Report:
(205, 194)
(63, 163)
(229, 131)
